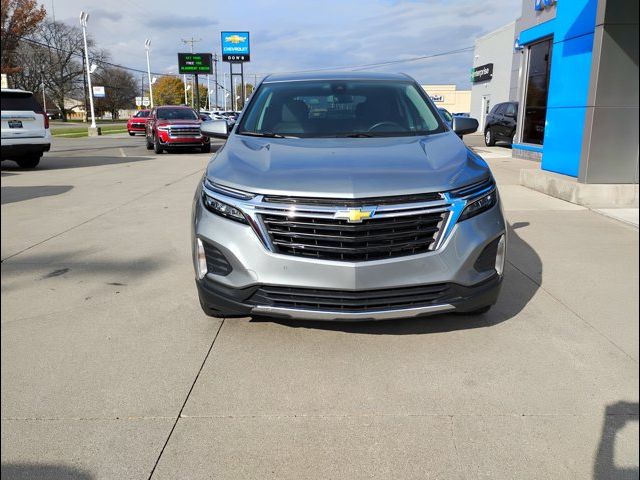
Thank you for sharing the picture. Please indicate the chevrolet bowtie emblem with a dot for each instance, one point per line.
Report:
(355, 215)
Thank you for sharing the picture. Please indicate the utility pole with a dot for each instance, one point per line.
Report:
(208, 95)
(191, 41)
(147, 46)
(84, 17)
(215, 72)
(186, 99)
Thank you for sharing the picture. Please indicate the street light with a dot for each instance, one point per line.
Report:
(84, 17)
(147, 46)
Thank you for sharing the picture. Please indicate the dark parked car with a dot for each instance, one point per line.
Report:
(501, 123)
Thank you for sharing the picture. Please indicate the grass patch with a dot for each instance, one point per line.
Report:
(84, 132)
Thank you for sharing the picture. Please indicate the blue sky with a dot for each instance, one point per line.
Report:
(289, 35)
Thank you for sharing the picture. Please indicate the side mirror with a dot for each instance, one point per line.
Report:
(215, 129)
(464, 125)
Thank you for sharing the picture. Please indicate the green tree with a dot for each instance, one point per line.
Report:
(168, 90)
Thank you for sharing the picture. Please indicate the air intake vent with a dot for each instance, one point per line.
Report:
(216, 262)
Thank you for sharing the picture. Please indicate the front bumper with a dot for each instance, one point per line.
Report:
(253, 266)
(136, 128)
(168, 141)
(19, 150)
(219, 300)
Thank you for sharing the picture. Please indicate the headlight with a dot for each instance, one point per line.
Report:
(221, 208)
(164, 129)
(480, 205)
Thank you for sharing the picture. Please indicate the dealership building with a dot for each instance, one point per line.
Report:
(572, 66)
(449, 97)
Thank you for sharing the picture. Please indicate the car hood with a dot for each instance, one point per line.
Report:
(346, 167)
(178, 122)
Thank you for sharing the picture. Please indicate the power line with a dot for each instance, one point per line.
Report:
(343, 67)
(382, 64)
(103, 62)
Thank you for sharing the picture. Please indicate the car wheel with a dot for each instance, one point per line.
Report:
(489, 139)
(206, 148)
(149, 144)
(131, 134)
(29, 162)
(156, 145)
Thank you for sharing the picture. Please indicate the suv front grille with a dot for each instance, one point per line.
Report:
(186, 131)
(341, 300)
(337, 239)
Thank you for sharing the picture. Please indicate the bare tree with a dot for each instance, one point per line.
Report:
(120, 90)
(32, 73)
(60, 52)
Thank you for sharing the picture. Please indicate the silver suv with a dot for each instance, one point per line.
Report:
(346, 197)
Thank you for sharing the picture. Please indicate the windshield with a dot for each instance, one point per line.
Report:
(176, 114)
(142, 113)
(354, 108)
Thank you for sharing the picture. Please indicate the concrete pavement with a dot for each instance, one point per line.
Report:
(110, 370)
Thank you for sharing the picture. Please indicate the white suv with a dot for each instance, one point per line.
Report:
(25, 128)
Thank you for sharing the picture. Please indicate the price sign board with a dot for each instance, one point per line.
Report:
(195, 63)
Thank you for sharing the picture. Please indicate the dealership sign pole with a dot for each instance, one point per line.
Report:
(235, 49)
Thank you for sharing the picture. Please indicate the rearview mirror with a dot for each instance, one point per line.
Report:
(464, 125)
(215, 129)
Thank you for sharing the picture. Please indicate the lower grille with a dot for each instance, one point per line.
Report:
(184, 132)
(357, 301)
(337, 239)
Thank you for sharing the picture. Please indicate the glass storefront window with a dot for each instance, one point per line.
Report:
(537, 88)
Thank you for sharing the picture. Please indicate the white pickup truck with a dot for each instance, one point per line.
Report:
(25, 128)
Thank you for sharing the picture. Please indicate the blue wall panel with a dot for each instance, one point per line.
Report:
(570, 72)
(563, 140)
(572, 31)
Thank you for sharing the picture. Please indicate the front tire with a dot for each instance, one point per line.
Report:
(489, 138)
(157, 147)
(149, 144)
(206, 148)
(131, 134)
(29, 162)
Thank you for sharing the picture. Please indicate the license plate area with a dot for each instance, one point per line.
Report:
(15, 123)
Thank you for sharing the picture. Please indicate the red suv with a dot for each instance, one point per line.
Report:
(170, 127)
(138, 123)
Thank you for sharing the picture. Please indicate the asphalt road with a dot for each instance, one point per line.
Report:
(110, 370)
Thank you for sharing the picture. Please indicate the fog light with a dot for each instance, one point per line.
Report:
(201, 259)
(500, 255)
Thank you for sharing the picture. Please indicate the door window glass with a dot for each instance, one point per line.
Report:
(537, 88)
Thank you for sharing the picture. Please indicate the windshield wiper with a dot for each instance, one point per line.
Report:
(265, 134)
(358, 135)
